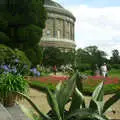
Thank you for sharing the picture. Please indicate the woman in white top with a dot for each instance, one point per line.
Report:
(104, 70)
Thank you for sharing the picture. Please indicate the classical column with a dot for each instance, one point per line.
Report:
(73, 32)
(63, 28)
(54, 27)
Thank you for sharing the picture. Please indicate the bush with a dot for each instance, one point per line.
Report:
(3, 38)
(116, 66)
(13, 61)
(9, 84)
(23, 60)
(5, 53)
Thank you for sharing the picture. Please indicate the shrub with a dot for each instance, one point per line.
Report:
(9, 84)
(13, 59)
(5, 53)
(116, 66)
(3, 38)
(34, 72)
(23, 60)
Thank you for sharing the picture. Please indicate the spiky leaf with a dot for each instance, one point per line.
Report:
(111, 101)
(34, 106)
(85, 114)
(63, 93)
(77, 100)
(98, 92)
(96, 106)
(54, 105)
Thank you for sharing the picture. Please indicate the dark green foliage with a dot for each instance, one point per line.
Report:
(115, 59)
(3, 23)
(10, 83)
(84, 67)
(34, 54)
(21, 24)
(29, 35)
(24, 61)
(115, 66)
(91, 55)
(8, 57)
(5, 53)
(4, 39)
(52, 56)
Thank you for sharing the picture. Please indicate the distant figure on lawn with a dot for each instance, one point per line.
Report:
(97, 70)
(104, 70)
(54, 69)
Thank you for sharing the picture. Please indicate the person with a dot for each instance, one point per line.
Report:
(54, 69)
(97, 71)
(104, 70)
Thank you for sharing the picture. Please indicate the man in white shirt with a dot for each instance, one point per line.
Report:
(104, 70)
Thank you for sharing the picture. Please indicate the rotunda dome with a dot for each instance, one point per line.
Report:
(59, 30)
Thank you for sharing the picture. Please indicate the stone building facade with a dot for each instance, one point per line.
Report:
(59, 31)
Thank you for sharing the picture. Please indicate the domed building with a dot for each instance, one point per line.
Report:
(59, 31)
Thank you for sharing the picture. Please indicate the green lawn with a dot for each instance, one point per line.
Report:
(114, 73)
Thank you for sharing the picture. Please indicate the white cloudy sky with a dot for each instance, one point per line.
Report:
(97, 23)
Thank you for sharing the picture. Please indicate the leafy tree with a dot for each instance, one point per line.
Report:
(52, 56)
(90, 56)
(21, 24)
(96, 56)
(115, 59)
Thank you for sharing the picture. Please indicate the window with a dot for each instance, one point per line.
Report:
(58, 34)
(48, 32)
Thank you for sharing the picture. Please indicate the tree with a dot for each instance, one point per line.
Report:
(96, 56)
(115, 59)
(90, 56)
(52, 56)
(21, 24)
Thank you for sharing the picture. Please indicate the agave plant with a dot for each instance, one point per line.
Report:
(56, 100)
(78, 109)
(96, 108)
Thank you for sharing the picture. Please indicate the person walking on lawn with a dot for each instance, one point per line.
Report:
(104, 70)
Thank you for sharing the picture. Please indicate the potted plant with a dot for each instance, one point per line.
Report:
(9, 84)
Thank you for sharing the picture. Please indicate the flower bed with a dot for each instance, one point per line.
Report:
(48, 79)
(112, 84)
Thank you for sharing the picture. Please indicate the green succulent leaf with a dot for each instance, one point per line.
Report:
(85, 114)
(111, 101)
(53, 103)
(63, 92)
(77, 100)
(96, 106)
(98, 92)
(46, 117)
(79, 83)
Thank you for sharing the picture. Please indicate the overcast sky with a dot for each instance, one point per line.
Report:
(97, 23)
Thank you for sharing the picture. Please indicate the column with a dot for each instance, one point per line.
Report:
(54, 27)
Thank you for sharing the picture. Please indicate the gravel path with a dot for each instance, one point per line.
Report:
(39, 98)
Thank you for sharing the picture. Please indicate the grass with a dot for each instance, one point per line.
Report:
(114, 73)
(42, 86)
